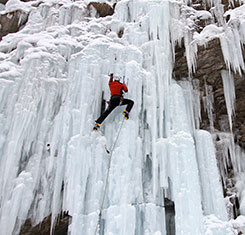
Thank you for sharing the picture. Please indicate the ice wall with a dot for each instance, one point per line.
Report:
(52, 76)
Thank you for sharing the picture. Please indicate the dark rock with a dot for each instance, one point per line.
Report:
(120, 33)
(12, 22)
(169, 216)
(103, 9)
(43, 228)
(3, 1)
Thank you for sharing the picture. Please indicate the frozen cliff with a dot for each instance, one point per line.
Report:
(54, 77)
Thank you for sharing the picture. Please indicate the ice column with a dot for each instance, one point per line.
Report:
(229, 93)
(212, 193)
(208, 101)
(182, 168)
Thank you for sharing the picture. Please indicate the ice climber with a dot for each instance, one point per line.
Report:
(117, 90)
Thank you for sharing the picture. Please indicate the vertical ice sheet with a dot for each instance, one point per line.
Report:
(185, 190)
(212, 196)
(191, 93)
(125, 182)
(89, 162)
(36, 102)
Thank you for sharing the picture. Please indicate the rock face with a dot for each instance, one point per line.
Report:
(209, 63)
(61, 227)
(102, 9)
(3, 1)
(12, 22)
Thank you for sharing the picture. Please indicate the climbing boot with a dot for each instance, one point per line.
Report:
(96, 127)
(126, 114)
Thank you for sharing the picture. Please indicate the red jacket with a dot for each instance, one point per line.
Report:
(116, 87)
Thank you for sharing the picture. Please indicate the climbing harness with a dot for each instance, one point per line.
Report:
(107, 177)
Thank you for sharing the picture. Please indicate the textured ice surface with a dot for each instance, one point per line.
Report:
(212, 193)
(52, 76)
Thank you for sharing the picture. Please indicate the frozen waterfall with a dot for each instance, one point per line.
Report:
(52, 76)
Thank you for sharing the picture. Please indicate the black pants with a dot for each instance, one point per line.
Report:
(114, 102)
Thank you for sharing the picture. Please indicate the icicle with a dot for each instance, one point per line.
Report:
(208, 101)
(232, 51)
(226, 154)
(196, 102)
(229, 93)
(192, 102)
(240, 156)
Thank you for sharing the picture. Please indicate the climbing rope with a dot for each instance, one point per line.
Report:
(107, 177)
